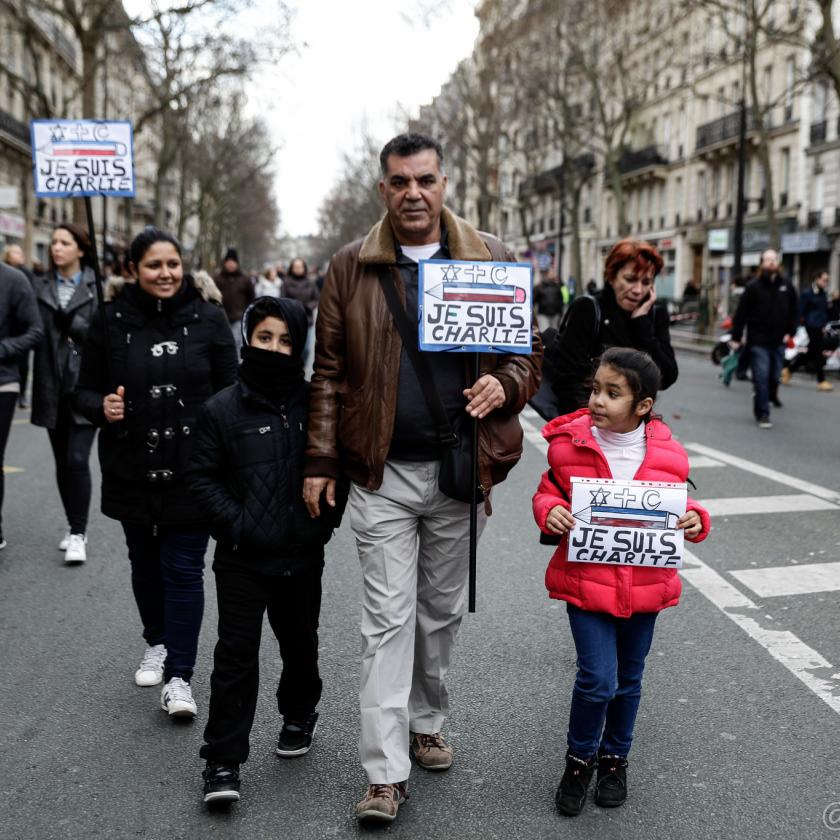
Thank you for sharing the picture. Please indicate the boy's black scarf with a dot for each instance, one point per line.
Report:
(274, 376)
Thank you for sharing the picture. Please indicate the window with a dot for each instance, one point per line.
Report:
(790, 74)
(785, 178)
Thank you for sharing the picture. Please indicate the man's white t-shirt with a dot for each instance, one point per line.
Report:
(420, 252)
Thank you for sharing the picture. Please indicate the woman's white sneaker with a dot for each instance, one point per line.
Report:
(75, 552)
(150, 671)
(176, 699)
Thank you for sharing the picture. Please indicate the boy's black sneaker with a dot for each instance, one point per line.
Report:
(296, 736)
(571, 794)
(221, 783)
(611, 786)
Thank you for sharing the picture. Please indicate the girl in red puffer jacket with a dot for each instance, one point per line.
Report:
(612, 609)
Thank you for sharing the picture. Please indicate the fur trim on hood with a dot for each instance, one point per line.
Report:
(464, 241)
(202, 281)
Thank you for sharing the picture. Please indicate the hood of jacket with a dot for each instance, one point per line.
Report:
(202, 282)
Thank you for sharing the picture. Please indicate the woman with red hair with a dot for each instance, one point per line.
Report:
(622, 314)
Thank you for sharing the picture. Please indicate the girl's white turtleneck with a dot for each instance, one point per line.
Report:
(624, 451)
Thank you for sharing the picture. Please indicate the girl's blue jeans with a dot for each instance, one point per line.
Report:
(611, 660)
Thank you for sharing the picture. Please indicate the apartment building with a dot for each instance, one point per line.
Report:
(678, 163)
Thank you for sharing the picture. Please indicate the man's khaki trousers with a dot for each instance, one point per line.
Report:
(413, 545)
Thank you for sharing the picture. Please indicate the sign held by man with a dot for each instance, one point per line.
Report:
(83, 158)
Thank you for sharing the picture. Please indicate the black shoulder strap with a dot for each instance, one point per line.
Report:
(408, 334)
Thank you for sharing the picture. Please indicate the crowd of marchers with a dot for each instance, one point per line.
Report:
(208, 427)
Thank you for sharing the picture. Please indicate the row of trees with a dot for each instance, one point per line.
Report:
(192, 61)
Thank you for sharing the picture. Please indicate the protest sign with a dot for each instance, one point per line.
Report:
(627, 523)
(475, 307)
(82, 158)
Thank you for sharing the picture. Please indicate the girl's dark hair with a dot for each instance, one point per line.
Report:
(82, 240)
(640, 371)
(144, 240)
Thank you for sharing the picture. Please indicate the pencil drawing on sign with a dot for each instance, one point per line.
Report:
(627, 522)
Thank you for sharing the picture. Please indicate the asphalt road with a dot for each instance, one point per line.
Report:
(737, 734)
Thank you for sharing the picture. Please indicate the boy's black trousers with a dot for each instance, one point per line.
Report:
(293, 603)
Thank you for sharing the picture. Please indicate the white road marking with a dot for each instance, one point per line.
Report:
(765, 472)
(804, 579)
(702, 461)
(802, 661)
(741, 505)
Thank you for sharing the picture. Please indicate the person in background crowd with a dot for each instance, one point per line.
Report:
(269, 284)
(548, 301)
(834, 307)
(813, 315)
(237, 292)
(14, 256)
(20, 331)
(170, 349)
(67, 301)
(369, 420)
(269, 552)
(627, 317)
(299, 286)
(768, 311)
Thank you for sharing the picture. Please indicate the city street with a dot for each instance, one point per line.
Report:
(737, 735)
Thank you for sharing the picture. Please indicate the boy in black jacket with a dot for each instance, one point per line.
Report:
(247, 474)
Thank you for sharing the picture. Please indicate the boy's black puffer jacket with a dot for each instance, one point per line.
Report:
(246, 474)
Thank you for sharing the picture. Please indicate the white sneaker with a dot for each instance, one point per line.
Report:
(62, 546)
(75, 552)
(150, 671)
(176, 699)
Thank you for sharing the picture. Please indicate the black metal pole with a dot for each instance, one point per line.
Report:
(100, 295)
(738, 233)
(474, 501)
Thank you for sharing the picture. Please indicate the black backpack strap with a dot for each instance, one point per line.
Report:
(408, 334)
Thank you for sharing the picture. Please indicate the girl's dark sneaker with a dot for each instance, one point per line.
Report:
(221, 783)
(611, 786)
(571, 794)
(296, 736)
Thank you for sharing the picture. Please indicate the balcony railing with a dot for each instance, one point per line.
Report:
(14, 127)
(724, 128)
(819, 131)
(632, 161)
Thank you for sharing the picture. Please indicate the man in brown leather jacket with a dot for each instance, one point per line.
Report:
(369, 420)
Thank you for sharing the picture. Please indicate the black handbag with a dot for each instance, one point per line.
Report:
(455, 478)
(545, 401)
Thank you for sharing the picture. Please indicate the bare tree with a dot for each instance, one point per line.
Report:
(353, 205)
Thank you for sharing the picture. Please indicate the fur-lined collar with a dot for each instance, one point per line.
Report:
(464, 241)
(202, 282)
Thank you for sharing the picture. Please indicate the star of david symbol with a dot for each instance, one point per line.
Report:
(450, 274)
(56, 134)
(599, 497)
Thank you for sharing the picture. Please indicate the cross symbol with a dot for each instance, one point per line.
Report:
(475, 273)
(625, 497)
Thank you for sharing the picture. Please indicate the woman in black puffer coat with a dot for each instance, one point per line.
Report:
(623, 314)
(247, 473)
(170, 349)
